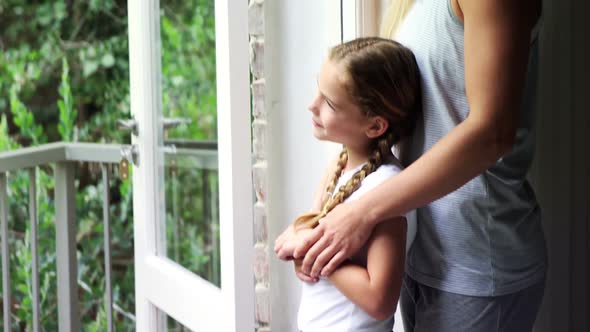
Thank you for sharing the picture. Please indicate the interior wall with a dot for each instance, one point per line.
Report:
(297, 38)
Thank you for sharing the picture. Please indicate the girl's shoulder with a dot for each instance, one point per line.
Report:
(385, 171)
(380, 175)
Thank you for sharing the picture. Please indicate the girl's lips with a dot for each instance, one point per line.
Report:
(315, 124)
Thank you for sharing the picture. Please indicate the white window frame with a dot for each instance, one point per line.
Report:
(162, 285)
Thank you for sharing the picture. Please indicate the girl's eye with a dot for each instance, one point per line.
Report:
(329, 104)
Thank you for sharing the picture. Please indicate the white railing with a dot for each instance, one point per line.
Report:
(64, 157)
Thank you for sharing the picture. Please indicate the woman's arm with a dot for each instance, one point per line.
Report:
(376, 288)
(497, 37)
(287, 240)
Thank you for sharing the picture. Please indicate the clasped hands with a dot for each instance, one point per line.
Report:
(319, 251)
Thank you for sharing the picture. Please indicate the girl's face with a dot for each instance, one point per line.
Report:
(336, 117)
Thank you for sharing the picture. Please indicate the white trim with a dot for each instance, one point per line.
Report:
(368, 18)
(195, 303)
(235, 170)
(145, 96)
(161, 283)
(331, 21)
(349, 20)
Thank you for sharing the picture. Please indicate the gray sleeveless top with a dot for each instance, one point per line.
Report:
(485, 238)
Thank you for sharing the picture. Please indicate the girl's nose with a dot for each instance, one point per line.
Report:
(314, 105)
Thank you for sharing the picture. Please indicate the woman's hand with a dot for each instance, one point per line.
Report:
(338, 236)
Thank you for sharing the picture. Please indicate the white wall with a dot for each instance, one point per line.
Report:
(297, 38)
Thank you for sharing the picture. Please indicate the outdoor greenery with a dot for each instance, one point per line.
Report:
(64, 76)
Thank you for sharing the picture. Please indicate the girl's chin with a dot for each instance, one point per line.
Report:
(321, 138)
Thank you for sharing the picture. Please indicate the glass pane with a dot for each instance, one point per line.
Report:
(188, 67)
(174, 326)
(192, 210)
(191, 177)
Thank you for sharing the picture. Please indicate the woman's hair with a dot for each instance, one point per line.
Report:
(382, 79)
(395, 13)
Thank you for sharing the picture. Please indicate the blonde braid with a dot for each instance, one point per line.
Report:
(342, 160)
(381, 152)
(386, 142)
(311, 219)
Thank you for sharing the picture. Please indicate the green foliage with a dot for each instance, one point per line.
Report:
(24, 119)
(64, 76)
(67, 113)
(191, 211)
(188, 67)
(6, 143)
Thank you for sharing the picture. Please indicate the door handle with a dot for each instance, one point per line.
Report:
(169, 123)
(130, 153)
(128, 125)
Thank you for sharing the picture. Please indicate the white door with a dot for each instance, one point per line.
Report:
(166, 289)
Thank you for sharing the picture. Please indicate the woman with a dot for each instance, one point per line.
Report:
(478, 261)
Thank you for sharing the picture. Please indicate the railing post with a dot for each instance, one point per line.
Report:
(107, 245)
(34, 248)
(5, 252)
(67, 264)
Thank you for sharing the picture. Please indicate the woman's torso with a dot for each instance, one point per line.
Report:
(485, 238)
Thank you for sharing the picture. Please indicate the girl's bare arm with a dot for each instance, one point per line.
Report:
(376, 288)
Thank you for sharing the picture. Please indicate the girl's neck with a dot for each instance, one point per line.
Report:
(356, 157)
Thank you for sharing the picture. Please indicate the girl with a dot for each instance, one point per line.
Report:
(368, 99)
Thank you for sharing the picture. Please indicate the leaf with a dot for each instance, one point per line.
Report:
(61, 105)
(89, 67)
(108, 60)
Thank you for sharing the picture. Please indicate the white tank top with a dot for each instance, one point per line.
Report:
(323, 308)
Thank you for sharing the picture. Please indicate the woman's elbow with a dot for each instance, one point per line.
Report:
(503, 143)
(497, 139)
(496, 136)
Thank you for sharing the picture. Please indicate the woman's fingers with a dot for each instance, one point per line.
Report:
(312, 254)
(309, 241)
(324, 257)
(336, 261)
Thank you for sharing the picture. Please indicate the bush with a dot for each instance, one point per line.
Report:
(64, 76)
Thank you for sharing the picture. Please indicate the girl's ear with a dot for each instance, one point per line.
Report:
(377, 127)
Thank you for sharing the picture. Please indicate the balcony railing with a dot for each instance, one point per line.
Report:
(65, 157)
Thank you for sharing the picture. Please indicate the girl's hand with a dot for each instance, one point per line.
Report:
(285, 244)
(304, 277)
(338, 236)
